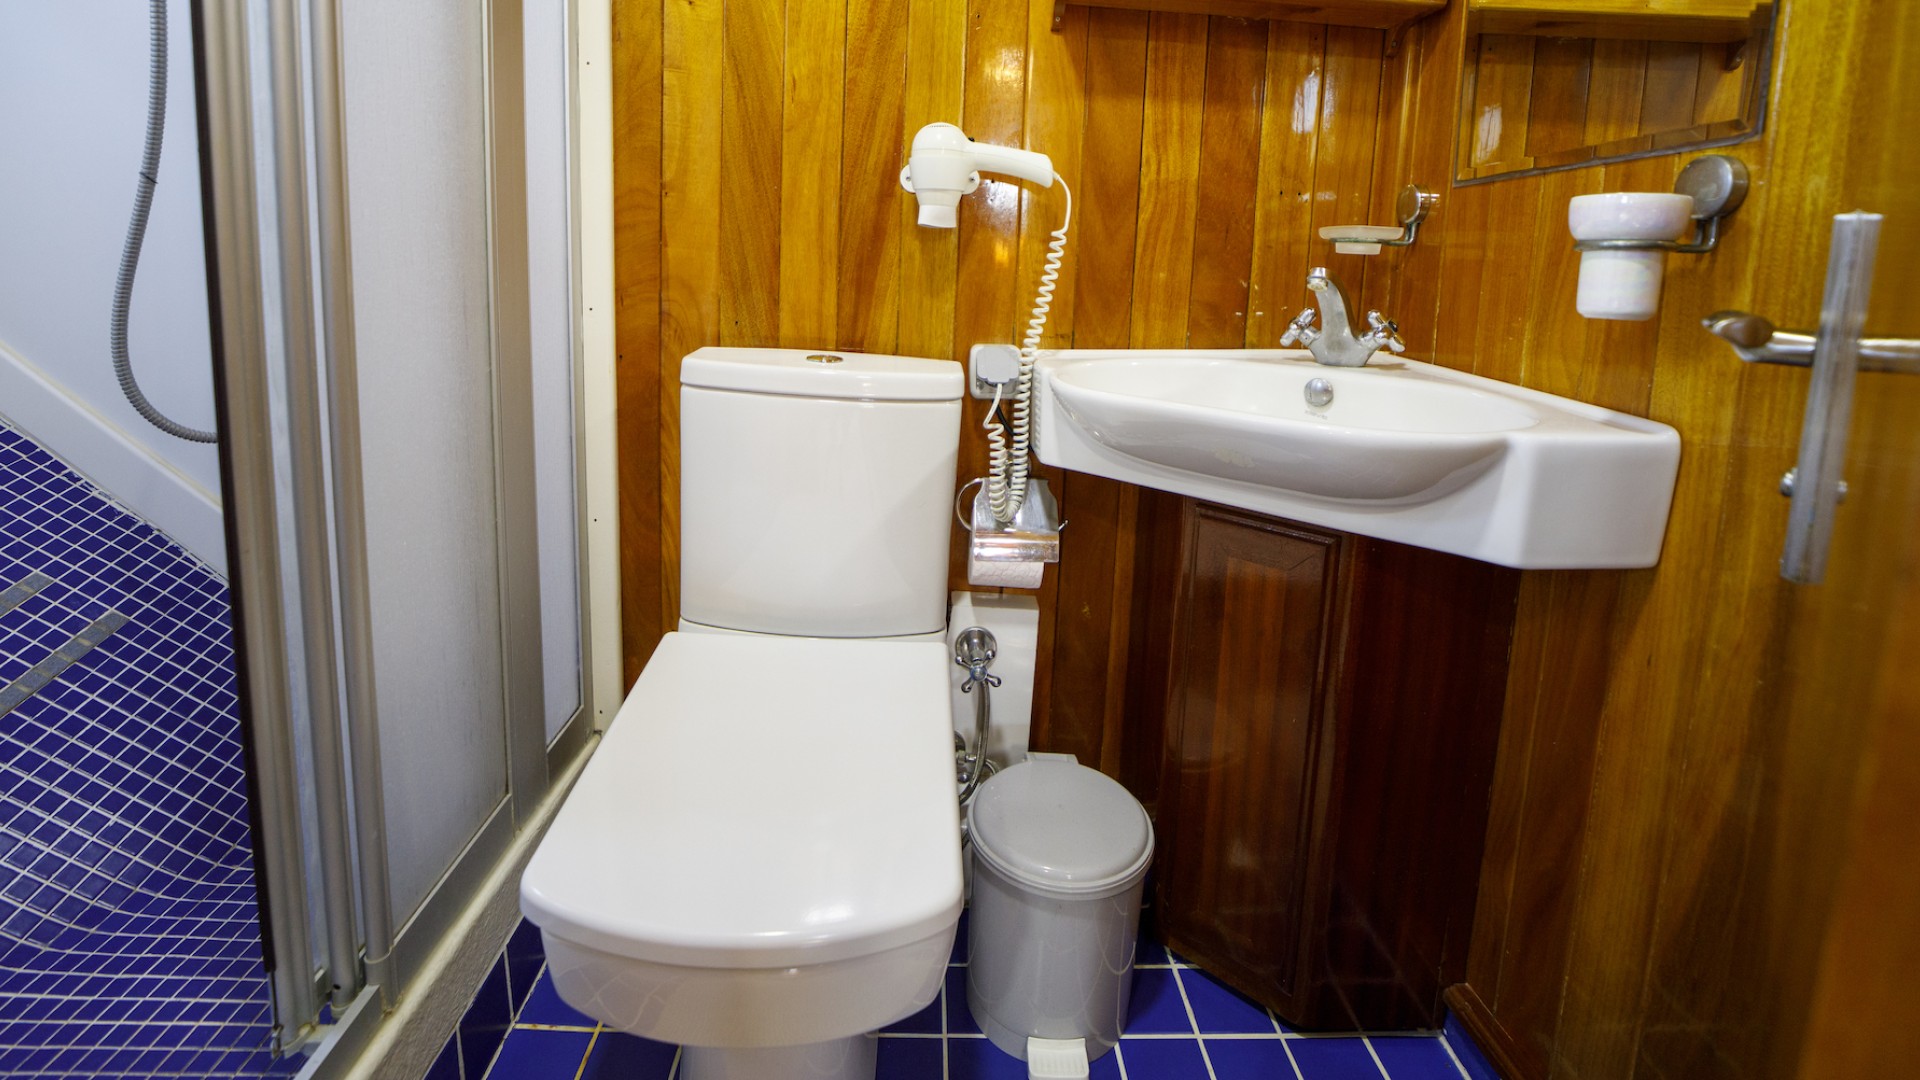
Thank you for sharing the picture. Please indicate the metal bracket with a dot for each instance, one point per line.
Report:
(1755, 340)
(1718, 185)
(1412, 208)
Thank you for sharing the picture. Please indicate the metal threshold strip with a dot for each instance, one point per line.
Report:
(60, 659)
(23, 590)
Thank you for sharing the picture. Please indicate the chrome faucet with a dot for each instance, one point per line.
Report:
(1338, 345)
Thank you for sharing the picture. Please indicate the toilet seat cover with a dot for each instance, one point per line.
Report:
(761, 802)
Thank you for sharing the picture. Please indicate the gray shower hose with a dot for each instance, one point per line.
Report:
(137, 232)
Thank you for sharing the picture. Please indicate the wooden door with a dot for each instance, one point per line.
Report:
(1830, 952)
(1850, 684)
(1697, 864)
(1241, 792)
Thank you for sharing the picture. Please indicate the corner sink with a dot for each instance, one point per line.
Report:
(1403, 451)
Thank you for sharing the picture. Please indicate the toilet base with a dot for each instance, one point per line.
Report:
(837, 1059)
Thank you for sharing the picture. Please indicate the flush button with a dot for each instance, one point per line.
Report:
(825, 358)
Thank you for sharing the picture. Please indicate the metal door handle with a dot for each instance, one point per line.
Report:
(1757, 341)
(1835, 359)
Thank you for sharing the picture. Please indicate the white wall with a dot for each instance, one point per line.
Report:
(73, 92)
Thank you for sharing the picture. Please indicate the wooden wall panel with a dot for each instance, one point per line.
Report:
(871, 229)
(637, 246)
(1201, 151)
(1283, 241)
(1674, 763)
(810, 147)
(691, 96)
(1556, 101)
(752, 70)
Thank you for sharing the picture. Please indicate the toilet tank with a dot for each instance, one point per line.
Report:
(816, 491)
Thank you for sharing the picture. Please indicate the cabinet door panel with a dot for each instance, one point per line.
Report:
(1245, 735)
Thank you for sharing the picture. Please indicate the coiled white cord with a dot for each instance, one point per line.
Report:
(1007, 466)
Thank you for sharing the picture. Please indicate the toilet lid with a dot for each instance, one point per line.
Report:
(761, 802)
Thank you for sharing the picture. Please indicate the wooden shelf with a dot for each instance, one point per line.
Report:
(1655, 20)
(1379, 14)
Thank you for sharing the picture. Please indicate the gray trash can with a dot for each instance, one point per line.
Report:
(1060, 855)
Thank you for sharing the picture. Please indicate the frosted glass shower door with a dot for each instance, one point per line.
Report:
(437, 230)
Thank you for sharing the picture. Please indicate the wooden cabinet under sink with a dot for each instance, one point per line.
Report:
(1321, 769)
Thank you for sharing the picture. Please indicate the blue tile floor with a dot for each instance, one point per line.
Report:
(129, 943)
(1182, 1026)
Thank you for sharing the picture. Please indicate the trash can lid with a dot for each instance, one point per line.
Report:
(1057, 826)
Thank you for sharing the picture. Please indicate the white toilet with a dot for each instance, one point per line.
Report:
(762, 860)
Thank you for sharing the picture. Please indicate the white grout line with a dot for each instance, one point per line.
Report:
(1120, 1061)
(1455, 1058)
(1205, 1058)
(945, 1068)
(1238, 1036)
(1377, 1063)
(673, 1070)
(1297, 1074)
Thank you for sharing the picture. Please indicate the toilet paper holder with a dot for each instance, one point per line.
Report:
(1032, 536)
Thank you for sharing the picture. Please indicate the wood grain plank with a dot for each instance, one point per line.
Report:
(936, 48)
(1421, 92)
(1283, 242)
(1055, 117)
(1107, 212)
(1573, 627)
(988, 301)
(871, 227)
(1226, 201)
(1092, 607)
(811, 117)
(1377, 14)
(1464, 242)
(1169, 179)
(1557, 116)
(1673, 77)
(1500, 330)
(1343, 163)
(1722, 86)
(1501, 865)
(1558, 341)
(1502, 95)
(689, 241)
(637, 274)
(1616, 91)
(753, 57)
(1054, 124)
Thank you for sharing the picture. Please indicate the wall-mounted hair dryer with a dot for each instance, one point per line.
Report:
(945, 165)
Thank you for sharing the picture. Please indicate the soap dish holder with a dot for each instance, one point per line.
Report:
(1414, 204)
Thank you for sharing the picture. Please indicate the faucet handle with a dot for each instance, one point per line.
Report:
(1301, 330)
(1385, 333)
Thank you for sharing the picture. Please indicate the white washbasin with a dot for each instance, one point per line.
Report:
(1404, 451)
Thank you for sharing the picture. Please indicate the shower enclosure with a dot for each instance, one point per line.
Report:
(269, 716)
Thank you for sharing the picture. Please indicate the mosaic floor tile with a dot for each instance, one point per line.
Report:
(129, 938)
(1217, 1009)
(1334, 1059)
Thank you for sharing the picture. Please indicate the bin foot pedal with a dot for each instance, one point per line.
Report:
(1056, 1059)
